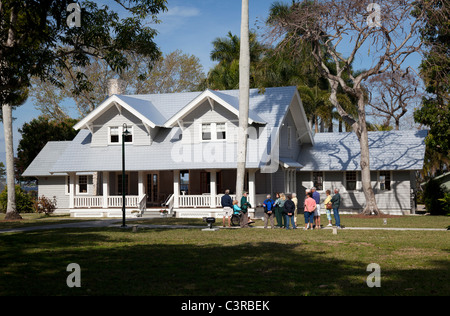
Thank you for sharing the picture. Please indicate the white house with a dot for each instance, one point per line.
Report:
(181, 154)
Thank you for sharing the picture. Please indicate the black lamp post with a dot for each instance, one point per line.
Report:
(125, 133)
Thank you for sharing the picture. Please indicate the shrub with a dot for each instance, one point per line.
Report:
(434, 191)
(445, 201)
(45, 205)
(24, 201)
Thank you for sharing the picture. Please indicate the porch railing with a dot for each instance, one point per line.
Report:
(203, 200)
(112, 201)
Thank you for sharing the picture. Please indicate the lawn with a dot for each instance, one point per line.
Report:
(228, 262)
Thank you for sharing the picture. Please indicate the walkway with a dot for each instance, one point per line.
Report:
(117, 223)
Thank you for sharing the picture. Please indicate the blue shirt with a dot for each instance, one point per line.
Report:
(268, 204)
(316, 197)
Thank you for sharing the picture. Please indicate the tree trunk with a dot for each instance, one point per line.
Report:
(371, 207)
(11, 211)
(244, 96)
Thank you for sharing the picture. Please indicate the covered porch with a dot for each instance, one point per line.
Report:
(183, 193)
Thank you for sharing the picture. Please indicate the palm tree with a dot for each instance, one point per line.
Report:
(244, 96)
(226, 51)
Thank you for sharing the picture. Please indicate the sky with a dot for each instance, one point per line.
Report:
(190, 26)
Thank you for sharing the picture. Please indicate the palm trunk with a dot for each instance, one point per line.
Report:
(244, 95)
(11, 211)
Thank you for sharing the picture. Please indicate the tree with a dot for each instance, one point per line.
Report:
(36, 134)
(392, 94)
(37, 40)
(244, 99)
(175, 72)
(2, 170)
(334, 27)
(435, 69)
(226, 51)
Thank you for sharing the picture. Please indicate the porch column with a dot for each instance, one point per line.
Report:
(213, 187)
(105, 188)
(140, 183)
(176, 188)
(73, 179)
(251, 187)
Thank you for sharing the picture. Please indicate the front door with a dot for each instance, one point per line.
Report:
(153, 189)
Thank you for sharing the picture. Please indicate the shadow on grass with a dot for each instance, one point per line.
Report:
(115, 262)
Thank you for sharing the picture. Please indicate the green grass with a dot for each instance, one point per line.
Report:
(228, 262)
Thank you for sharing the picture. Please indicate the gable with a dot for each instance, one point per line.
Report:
(212, 98)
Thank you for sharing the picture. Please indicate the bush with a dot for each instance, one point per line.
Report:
(434, 191)
(445, 201)
(24, 202)
(45, 205)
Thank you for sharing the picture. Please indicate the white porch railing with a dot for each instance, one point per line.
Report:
(203, 200)
(194, 201)
(113, 201)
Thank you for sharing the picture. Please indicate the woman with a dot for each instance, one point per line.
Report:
(289, 212)
(310, 206)
(279, 209)
(276, 209)
(328, 200)
(336, 201)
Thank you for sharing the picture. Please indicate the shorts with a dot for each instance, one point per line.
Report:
(317, 210)
(227, 211)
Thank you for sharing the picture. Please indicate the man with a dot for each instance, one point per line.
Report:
(316, 197)
(245, 205)
(268, 211)
(295, 200)
(227, 205)
(336, 203)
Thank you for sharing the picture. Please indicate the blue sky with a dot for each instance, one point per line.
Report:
(190, 26)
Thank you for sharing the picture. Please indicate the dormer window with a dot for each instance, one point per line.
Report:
(206, 131)
(221, 131)
(115, 135)
(214, 131)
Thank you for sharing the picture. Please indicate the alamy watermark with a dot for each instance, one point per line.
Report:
(374, 18)
(74, 278)
(374, 278)
(74, 18)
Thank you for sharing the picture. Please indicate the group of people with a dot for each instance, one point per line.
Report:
(285, 208)
(231, 206)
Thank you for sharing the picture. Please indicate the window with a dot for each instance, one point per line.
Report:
(114, 135)
(206, 131)
(385, 180)
(350, 179)
(184, 181)
(83, 184)
(129, 137)
(221, 131)
(318, 180)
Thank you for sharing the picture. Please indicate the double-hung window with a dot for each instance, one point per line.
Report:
(213, 131)
(385, 180)
(221, 131)
(350, 180)
(115, 135)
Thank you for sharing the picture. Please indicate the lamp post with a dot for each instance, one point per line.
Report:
(125, 132)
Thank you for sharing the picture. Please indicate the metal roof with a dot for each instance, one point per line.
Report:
(393, 150)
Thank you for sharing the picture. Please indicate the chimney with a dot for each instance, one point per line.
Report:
(116, 86)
